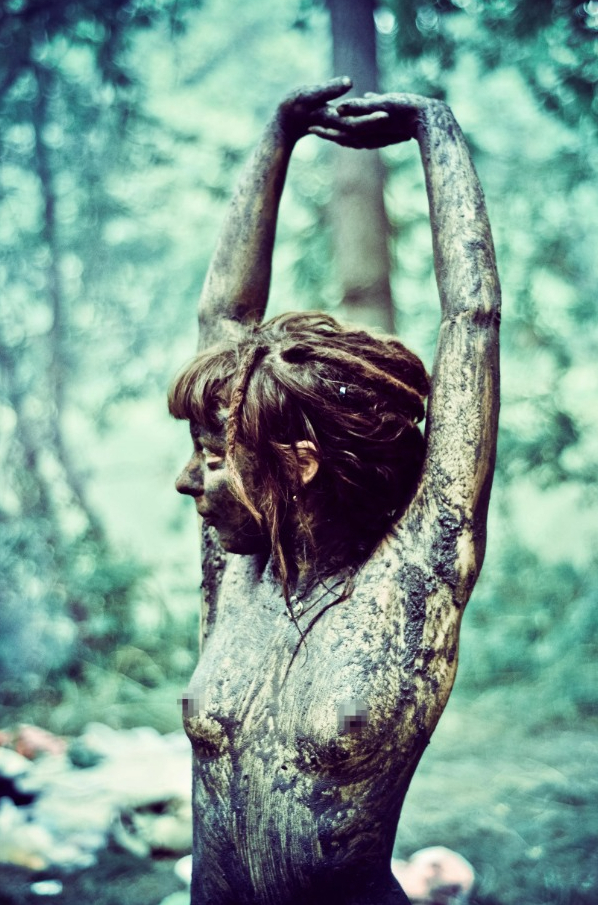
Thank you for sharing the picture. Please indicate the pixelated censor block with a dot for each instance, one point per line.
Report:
(191, 704)
(352, 715)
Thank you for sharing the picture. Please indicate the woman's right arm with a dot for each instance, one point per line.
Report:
(238, 279)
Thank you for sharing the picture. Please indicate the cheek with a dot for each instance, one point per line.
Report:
(221, 497)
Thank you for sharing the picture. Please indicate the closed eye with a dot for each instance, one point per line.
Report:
(213, 460)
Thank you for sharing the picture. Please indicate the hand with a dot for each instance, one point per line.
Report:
(373, 121)
(306, 106)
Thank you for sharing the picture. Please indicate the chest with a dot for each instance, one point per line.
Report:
(370, 670)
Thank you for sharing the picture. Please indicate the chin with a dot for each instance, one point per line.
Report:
(245, 545)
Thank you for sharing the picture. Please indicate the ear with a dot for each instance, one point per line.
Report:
(307, 456)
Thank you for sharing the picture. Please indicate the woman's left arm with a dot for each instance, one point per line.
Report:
(462, 417)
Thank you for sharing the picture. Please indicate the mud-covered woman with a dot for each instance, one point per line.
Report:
(339, 543)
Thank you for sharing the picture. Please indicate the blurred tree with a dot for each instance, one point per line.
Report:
(66, 95)
(360, 224)
(124, 126)
(550, 41)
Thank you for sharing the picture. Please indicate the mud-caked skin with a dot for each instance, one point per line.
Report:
(302, 757)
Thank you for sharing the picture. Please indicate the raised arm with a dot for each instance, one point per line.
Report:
(238, 279)
(462, 415)
(462, 419)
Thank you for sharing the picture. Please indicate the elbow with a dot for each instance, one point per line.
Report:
(477, 315)
(486, 317)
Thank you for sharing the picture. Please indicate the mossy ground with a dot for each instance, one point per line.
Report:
(118, 878)
(521, 805)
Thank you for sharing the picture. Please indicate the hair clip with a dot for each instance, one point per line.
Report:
(343, 392)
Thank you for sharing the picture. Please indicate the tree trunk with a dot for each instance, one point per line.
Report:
(360, 223)
(57, 337)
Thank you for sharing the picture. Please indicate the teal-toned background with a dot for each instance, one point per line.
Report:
(124, 126)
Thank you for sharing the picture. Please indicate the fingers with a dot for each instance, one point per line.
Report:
(359, 105)
(356, 132)
(335, 135)
(396, 101)
(317, 95)
(330, 117)
(336, 88)
(367, 119)
(325, 132)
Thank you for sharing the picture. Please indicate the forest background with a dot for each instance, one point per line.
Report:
(124, 127)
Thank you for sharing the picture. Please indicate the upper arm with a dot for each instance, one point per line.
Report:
(461, 426)
(462, 418)
(213, 562)
(237, 284)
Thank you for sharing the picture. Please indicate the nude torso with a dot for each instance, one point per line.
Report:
(303, 771)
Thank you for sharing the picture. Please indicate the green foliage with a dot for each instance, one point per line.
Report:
(534, 624)
(66, 95)
(550, 41)
(125, 125)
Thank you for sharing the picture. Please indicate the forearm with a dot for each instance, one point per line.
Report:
(238, 279)
(464, 256)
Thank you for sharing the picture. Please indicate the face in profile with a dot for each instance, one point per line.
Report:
(206, 479)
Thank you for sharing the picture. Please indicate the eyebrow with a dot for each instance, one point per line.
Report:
(205, 437)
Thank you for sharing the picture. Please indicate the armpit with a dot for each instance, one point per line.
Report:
(438, 536)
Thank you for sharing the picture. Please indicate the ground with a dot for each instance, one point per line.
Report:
(117, 879)
(521, 805)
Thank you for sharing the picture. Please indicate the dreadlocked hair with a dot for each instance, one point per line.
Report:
(355, 396)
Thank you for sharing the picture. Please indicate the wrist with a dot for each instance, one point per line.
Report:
(286, 128)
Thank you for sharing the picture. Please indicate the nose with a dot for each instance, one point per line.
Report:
(190, 481)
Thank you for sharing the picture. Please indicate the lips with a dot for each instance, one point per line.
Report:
(206, 516)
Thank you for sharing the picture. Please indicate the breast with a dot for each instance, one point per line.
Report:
(205, 728)
(338, 736)
(364, 699)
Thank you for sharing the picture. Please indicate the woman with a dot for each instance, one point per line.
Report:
(330, 644)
